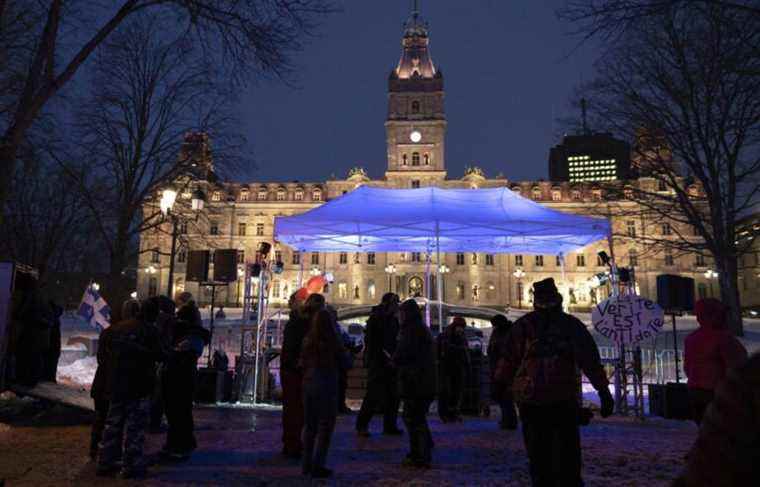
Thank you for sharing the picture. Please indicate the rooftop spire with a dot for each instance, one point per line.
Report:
(415, 60)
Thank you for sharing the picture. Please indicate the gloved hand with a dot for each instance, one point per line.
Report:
(608, 404)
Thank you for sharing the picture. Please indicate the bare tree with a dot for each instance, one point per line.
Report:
(683, 83)
(241, 38)
(147, 95)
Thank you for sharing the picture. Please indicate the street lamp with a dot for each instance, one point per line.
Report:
(168, 199)
(710, 275)
(519, 274)
(315, 271)
(390, 269)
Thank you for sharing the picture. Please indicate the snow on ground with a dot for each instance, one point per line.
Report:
(79, 373)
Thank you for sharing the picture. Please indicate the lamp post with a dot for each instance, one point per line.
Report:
(519, 274)
(390, 269)
(443, 269)
(710, 275)
(168, 199)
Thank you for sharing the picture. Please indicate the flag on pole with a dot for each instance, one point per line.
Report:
(94, 308)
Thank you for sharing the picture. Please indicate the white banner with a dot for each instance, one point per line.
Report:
(628, 319)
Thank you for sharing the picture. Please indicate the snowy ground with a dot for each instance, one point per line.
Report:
(241, 447)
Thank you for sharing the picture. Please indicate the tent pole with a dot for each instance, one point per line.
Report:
(427, 285)
(566, 303)
(438, 273)
(300, 269)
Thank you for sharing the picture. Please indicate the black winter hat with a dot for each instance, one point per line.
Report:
(545, 294)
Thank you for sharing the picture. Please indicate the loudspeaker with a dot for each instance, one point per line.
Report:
(197, 266)
(225, 265)
(675, 293)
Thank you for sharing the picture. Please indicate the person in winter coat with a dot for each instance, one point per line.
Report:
(165, 324)
(501, 327)
(345, 365)
(382, 392)
(454, 364)
(53, 352)
(131, 350)
(727, 448)
(178, 380)
(322, 357)
(31, 322)
(415, 360)
(544, 350)
(100, 391)
(709, 353)
(291, 371)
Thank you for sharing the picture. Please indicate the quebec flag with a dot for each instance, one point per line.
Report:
(94, 309)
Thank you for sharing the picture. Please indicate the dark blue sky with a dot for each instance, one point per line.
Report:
(509, 70)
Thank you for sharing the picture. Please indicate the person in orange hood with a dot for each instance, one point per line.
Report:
(709, 353)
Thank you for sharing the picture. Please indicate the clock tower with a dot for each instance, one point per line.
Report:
(416, 124)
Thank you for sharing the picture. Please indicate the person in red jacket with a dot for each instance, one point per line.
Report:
(709, 353)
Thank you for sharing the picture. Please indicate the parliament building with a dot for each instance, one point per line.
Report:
(240, 215)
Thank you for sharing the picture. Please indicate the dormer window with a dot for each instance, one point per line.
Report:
(415, 107)
(281, 194)
(536, 193)
(262, 194)
(216, 196)
(577, 195)
(298, 195)
(416, 159)
(244, 195)
(317, 195)
(556, 194)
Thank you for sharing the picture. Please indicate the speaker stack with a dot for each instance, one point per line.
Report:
(197, 266)
(225, 265)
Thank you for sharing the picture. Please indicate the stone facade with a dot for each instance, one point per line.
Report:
(241, 215)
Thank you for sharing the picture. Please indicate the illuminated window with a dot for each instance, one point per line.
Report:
(262, 194)
(296, 258)
(580, 260)
(259, 229)
(539, 261)
(536, 193)
(597, 194)
(276, 289)
(631, 228)
(316, 195)
(474, 259)
(415, 159)
(577, 196)
(281, 194)
(556, 195)
(343, 258)
(245, 195)
(371, 289)
(342, 290)
(315, 258)
(518, 260)
(216, 196)
(299, 195)
(242, 229)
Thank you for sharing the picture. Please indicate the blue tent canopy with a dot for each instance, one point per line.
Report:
(428, 219)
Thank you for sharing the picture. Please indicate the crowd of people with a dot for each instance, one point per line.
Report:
(147, 367)
(147, 364)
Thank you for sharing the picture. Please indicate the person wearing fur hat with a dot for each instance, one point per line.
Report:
(543, 352)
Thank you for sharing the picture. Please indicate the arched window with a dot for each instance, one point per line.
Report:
(415, 107)
(244, 195)
(415, 287)
(281, 194)
(317, 195)
(556, 194)
(262, 194)
(536, 193)
(299, 195)
(597, 194)
(404, 160)
(427, 159)
(577, 195)
(415, 159)
(216, 196)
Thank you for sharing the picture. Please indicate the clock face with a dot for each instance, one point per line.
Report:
(415, 136)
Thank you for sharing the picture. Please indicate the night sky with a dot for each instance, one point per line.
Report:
(509, 67)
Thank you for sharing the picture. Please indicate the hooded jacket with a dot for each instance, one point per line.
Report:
(711, 350)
